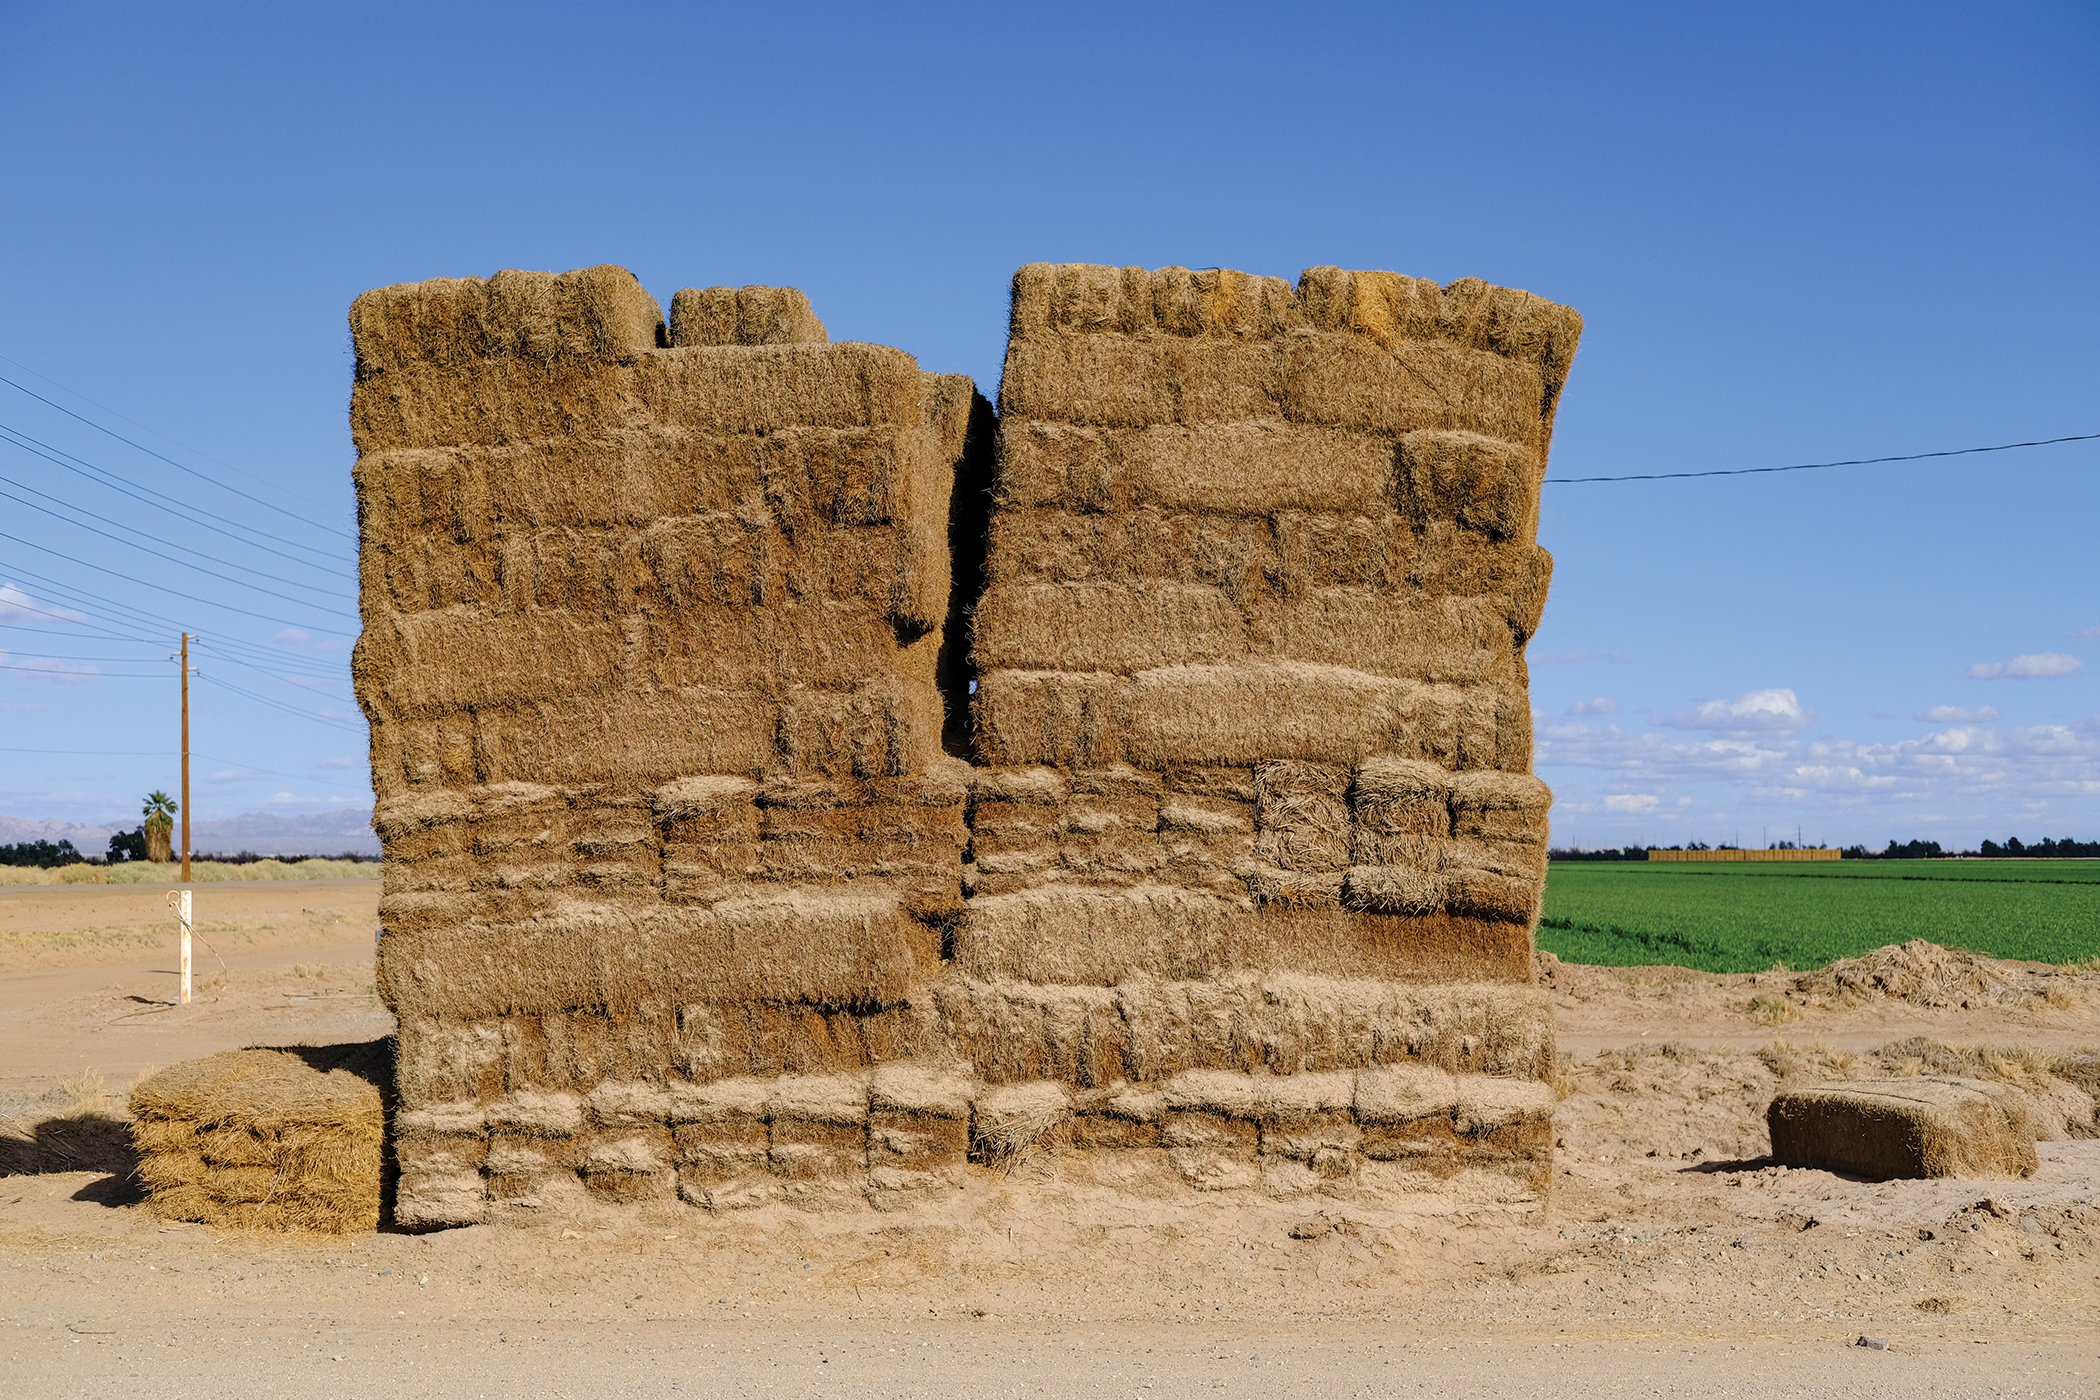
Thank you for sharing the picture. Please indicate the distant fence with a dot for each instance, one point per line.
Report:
(1823, 853)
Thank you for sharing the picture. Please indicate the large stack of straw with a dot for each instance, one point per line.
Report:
(691, 891)
(654, 657)
(1261, 571)
(267, 1139)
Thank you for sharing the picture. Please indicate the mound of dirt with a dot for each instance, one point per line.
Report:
(1922, 973)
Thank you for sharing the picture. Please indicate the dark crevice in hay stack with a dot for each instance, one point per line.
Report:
(969, 530)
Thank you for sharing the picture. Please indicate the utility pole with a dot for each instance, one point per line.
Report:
(180, 899)
(185, 764)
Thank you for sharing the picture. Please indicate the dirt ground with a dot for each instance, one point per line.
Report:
(1669, 1256)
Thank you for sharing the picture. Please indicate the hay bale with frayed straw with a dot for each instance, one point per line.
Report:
(1924, 1126)
(288, 1139)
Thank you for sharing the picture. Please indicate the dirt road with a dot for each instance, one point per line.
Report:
(1668, 1258)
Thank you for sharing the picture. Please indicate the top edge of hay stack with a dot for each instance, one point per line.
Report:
(739, 716)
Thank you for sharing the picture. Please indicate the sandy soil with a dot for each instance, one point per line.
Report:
(1668, 1257)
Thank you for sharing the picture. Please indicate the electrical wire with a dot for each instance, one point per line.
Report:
(279, 705)
(85, 675)
(331, 529)
(184, 563)
(33, 374)
(228, 607)
(1818, 466)
(102, 476)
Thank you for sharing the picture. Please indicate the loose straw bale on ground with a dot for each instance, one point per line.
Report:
(267, 1139)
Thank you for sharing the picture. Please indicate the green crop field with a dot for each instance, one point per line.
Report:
(1746, 917)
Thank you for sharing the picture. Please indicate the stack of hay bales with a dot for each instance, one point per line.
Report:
(690, 891)
(657, 667)
(267, 1139)
(1255, 718)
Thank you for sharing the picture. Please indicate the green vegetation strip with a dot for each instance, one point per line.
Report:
(1747, 917)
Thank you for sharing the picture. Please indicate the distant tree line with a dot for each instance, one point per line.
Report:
(2066, 849)
(44, 854)
(131, 845)
(2045, 849)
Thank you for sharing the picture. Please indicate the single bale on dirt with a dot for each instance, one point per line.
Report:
(1925, 1126)
(290, 1139)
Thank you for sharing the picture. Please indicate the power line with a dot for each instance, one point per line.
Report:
(85, 675)
(295, 777)
(331, 529)
(332, 631)
(277, 704)
(1818, 466)
(107, 753)
(47, 656)
(33, 374)
(102, 476)
(184, 563)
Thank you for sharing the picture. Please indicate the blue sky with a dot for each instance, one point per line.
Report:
(1796, 232)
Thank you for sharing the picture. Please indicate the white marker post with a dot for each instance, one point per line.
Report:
(179, 901)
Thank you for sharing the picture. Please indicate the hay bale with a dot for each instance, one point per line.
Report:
(267, 1138)
(743, 316)
(1925, 1126)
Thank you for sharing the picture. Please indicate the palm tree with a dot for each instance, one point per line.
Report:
(160, 825)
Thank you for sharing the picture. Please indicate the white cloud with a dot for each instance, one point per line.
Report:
(287, 797)
(2023, 668)
(1955, 714)
(2087, 633)
(1967, 763)
(16, 606)
(290, 636)
(1602, 705)
(1754, 711)
(1630, 802)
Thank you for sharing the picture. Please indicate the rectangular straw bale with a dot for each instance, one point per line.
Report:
(1460, 640)
(1486, 894)
(1401, 797)
(1385, 307)
(776, 943)
(1482, 483)
(743, 316)
(1258, 709)
(547, 351)
(432, 662)
(1075, 719)
(267, 1139)
(1273, 887)
(1492, 806)
(1088, 935)
(821, 643)
(639, 734)
(765, 388)
(1303, 820)
(884, 728)
(1925, 1126)
(1117, 381)
(1393, 889)
(1257, 466)
(1104, 627)
(1077, 298)
(1231, 552)
(1349, 382)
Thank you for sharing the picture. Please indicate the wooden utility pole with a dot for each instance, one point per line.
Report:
(185, 770)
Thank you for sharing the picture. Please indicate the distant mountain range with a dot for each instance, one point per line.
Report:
(325, 834)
